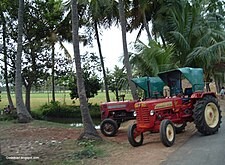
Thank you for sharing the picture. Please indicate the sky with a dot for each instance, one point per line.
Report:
(112, 46)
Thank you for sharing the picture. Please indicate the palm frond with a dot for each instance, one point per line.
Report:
(207, 56)
(68, 55)
(180, 40)
(152, 59)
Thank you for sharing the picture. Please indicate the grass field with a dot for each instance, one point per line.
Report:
(38, 99)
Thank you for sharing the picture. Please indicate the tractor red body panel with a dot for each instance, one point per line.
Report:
(150, 113)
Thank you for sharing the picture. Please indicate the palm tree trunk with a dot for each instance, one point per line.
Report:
(146, 27)
(126, 55)
(27, 101)
(11, 106)
(207, 80)
(89, 131)
(53, 72)
(23, 114)
(217, 83)
(117, 94)
(102, 63)
(163, 40)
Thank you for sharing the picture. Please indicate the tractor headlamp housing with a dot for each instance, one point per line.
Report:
(152, 112)
(134, 114)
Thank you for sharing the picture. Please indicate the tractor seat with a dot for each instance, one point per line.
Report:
(187, 94)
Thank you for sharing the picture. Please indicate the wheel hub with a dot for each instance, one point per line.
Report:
(169, 132)
(108, 128)
(211, 115)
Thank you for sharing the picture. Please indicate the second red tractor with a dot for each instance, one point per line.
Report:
(116, 112)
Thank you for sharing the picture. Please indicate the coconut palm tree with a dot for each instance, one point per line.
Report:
(125, 50)
(4, 45)
(209, 47)
(198, 40)
(102, 13)
(23, 114)
(56, 29)
(89, 131)
(140, 15)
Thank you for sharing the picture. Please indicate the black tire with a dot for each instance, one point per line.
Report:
(167, 133)
(207, 115)
(135, 138)
(179, 128)
(108, 127)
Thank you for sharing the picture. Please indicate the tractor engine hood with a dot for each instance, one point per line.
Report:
(118, 104)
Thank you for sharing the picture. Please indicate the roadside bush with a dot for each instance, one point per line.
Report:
(95, 111)
(37, 115)
(55, 109)
(8, 116)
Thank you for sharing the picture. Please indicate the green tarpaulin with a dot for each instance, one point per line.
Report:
(193, 75)
(152, 86)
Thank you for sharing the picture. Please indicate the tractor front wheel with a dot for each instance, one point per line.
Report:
(167, 132)
(108, 127)
(207, 115)
(135, 138)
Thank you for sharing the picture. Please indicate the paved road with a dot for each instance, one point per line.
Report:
(201, 150)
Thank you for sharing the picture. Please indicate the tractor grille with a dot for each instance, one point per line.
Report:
(142, 116)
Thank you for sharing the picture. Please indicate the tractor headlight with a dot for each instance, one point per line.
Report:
(135, 114)
(152, 112)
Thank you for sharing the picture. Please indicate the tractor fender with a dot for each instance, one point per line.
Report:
(198, 95)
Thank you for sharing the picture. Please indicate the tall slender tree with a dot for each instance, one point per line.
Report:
(4, 31)
(125, 50)
(98, 12)
(101, 14)
(89, 131)
(8, 17)
(56, 28)
(23, 114)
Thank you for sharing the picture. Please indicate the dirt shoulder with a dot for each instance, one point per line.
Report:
(50, 144)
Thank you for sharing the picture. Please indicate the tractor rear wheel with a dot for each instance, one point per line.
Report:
(167, 132)
(134, 137)
(180, 127)
(108, 127)
(207, 115)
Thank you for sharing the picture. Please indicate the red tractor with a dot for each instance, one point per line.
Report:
(115, 113)
(169, 115)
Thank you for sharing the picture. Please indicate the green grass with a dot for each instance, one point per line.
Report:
(42, 123)
(6, 124)
(38, 99)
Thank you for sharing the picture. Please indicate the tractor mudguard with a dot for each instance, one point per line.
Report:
(197, 95)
